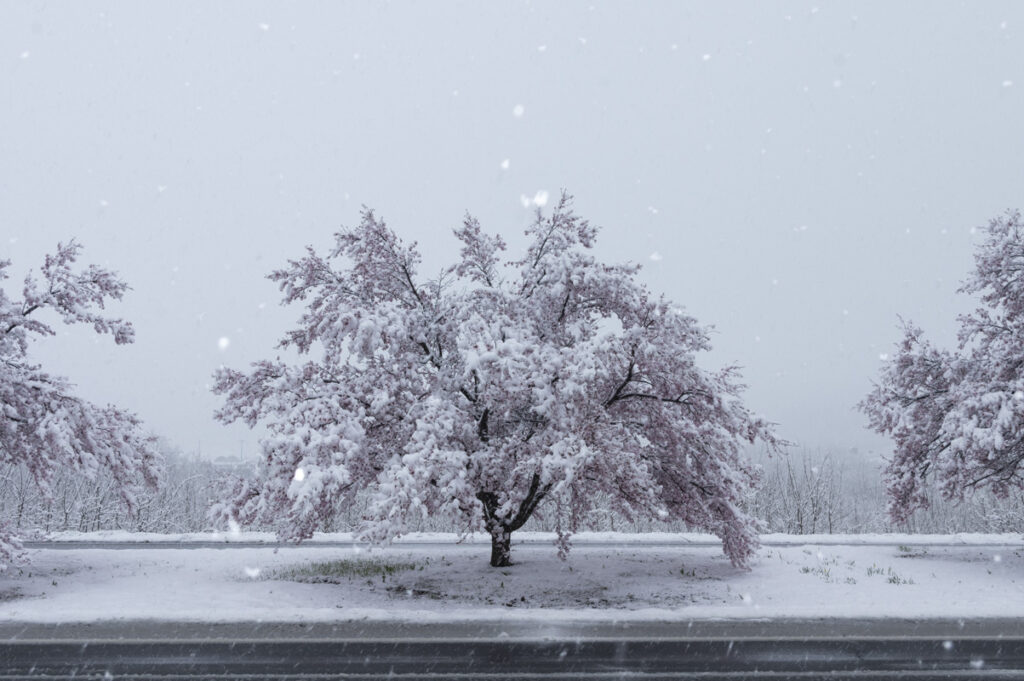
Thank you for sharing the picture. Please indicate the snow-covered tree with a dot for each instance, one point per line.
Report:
(957, 417)
(488, 391)
(43, 425)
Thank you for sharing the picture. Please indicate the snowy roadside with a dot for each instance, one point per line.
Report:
(445, 582)
(651, 538)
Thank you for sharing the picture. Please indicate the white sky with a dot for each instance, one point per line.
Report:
(804, 174)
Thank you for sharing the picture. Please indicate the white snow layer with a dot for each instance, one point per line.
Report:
(640, 578)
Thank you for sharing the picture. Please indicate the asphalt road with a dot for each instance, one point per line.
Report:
(850, 649)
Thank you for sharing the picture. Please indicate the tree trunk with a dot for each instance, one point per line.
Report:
(501, 548)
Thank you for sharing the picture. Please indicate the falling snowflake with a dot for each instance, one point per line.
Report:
(505, 164)
(518, 110)
(540, 199)
(300, 474)
(655, 256)
(223, 343)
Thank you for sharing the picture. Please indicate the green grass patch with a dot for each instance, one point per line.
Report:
(335, 571)
(891, 575)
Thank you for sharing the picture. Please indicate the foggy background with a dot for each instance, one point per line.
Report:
(796, 175)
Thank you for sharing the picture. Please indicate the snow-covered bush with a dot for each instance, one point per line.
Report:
(44, 427)
(957, 416)
(495, 388)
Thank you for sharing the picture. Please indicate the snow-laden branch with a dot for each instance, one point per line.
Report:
(957, 416)
(43, 425)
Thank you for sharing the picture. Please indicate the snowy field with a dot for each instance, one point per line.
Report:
(583, 538)
(639, 577)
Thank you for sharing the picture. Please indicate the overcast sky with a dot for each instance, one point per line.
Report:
(795, 175)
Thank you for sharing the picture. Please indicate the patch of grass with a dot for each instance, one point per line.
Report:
(416, 592)
(824, 567)
(911, 552)
(822, 571)
(891, 575)
(334, 571)
(897, 579)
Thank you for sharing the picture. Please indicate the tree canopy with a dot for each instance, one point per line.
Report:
(43, 424)
(956, 417)
(488, 391)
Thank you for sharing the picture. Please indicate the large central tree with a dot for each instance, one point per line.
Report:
(486, 392)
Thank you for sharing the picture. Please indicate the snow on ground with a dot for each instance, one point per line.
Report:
(443, 582)
(891, 539)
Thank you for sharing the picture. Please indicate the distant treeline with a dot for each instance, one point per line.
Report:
(189, 486)
(801, 493)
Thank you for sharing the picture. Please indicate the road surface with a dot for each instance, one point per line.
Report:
(798, 649)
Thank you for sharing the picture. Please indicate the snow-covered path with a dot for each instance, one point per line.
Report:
(446, 582)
